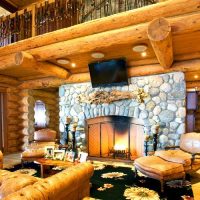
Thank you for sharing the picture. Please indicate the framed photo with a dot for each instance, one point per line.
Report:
(49, 151)
(69, 156)
(58, 154)
(82, 157)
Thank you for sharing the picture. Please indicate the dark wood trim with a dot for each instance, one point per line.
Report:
(8, 6)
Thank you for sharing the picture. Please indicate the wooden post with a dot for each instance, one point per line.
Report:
(33, 21)
(159, 34)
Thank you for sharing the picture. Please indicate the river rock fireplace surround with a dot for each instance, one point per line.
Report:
(165, 105)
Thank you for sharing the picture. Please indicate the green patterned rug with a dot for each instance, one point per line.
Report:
(118, 183)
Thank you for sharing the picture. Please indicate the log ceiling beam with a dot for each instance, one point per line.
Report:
(166, 9)
(24, 59)
(9, 80)
(127, 35)
(193, 85)
(159, 34)
(54, 82)
(185, 66)
(8, 6)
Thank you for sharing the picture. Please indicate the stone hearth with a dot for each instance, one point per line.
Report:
(164, 105)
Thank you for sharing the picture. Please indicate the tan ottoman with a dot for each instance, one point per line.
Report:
(157, 168)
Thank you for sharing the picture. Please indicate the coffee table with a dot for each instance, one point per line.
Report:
(43, 162)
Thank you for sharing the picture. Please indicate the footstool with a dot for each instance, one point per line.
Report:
(160, 169)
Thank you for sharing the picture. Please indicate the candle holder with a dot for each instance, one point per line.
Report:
(155, 141)
(68, 120)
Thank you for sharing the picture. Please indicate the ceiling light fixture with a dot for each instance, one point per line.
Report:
(62, 61)
(97, 55)
(140, 48)
(144, 54)
(73, 64)
(196, 76)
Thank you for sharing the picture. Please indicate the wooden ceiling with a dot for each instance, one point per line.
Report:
(19, 4)
(115, 36)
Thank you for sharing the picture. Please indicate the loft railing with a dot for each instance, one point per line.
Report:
(52, 15)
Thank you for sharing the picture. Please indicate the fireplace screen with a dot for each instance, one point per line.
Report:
(115, 137)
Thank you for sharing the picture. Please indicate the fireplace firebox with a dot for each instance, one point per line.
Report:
(115, 137)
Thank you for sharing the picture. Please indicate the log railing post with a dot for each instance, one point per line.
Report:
(33, 21)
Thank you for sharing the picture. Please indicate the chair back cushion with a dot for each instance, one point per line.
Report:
(45, 135)
(190, 142)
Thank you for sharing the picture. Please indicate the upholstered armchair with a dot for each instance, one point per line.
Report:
(187, 154)
(42, 138)
(166, 165)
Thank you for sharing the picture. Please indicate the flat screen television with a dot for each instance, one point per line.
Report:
(108, 73)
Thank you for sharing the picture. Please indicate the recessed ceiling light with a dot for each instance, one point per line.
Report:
(140, 48)
(73, 64)
(196, 76)
(62, 61)
(144, 54)
(97, 55)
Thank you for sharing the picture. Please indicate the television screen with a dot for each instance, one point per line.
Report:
(108, 73)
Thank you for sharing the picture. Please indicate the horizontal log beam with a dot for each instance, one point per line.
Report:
(9, 80)
(24, 59)
(193, 85)
(159, 34)
(7, 61)
(185, 66)
(54, 82)
(165, 9)
(42, 93)
(127, 35)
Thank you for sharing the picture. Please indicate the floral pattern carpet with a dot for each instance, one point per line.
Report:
(118, 183)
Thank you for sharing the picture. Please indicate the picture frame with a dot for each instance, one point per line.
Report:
(58, 154)
(69, 156)
(82, 157)
(49, 152)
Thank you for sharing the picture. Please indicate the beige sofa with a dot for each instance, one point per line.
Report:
(70, 184)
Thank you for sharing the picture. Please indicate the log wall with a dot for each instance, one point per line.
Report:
(27, 104)
(13, 122)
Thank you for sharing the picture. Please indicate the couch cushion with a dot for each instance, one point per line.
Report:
(156, 165)
(176, 156)
(34, 153)
(190, 142)
(12, 182)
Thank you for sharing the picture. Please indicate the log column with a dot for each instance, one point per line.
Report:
(27, 117)
(13, 120)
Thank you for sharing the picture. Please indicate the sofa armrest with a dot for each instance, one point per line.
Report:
(172, 147)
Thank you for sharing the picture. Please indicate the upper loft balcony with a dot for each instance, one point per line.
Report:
(168, 32)
(52, 15)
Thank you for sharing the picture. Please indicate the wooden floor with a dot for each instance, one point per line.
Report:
(12, 159)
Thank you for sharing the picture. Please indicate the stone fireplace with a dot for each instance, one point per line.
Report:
(165, 105)
(115, 137)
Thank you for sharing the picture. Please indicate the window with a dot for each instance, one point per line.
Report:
(40, 114)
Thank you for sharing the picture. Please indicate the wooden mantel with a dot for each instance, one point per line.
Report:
(32, 63)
